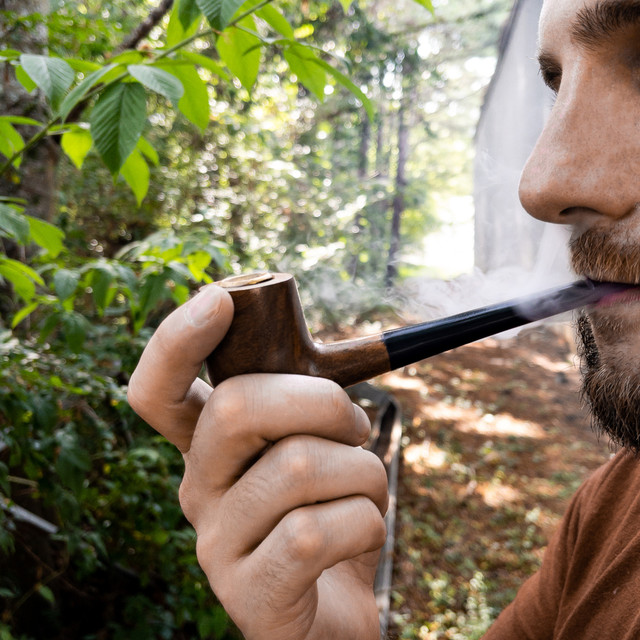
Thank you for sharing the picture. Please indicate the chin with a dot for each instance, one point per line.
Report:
(616, 330)
(608, 345)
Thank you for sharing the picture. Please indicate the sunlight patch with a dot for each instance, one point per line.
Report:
(496, 495)
(425, 455)
(504, 425)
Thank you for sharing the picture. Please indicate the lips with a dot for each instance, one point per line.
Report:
(622, 297)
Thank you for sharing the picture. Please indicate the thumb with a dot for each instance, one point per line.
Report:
(165, 389)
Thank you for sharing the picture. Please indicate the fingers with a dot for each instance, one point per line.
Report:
(298, 471)
(247, 413)
(309, 541)
(165, 389)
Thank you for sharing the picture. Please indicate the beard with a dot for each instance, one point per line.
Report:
(611, 392)
(610, 381)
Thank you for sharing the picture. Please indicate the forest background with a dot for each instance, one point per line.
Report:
(148, 148)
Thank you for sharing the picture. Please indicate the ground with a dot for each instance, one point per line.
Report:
(496, 442)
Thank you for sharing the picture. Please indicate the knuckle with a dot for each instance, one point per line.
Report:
(207, 554)
(378, 530)
(374, 528)
(379, 481)
(137, 396)
(378, 471)
(236, 401)
(296, 461)
(339, 403)
(187, 500)
(302, 537)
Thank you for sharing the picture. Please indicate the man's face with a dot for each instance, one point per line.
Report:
(585, 172)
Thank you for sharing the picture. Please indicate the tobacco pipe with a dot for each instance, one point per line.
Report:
(269, 333)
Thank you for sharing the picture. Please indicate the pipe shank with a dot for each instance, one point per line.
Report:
(348, 362)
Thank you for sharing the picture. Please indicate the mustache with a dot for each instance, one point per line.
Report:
(597, 254)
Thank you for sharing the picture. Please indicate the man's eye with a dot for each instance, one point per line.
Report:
(550, 70)
(551, 78)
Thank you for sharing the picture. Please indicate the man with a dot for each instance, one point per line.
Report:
(288, 510)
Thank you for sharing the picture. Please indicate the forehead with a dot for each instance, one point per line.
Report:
(557, 16)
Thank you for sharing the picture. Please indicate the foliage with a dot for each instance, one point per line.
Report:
(113, 502)
(238, 151)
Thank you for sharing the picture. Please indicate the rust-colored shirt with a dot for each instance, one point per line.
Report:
(588, 587)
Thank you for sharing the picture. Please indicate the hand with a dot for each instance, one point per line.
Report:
(288, 509)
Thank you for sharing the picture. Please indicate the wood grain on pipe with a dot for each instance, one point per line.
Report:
(269, 335)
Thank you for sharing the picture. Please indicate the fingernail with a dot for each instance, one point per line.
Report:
(363, 424)
(202, 306)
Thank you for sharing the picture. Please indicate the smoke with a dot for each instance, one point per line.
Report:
(423, 299)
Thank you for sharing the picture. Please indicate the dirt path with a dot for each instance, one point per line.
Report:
(495, 443)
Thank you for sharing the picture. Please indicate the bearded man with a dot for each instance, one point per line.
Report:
(289, 510)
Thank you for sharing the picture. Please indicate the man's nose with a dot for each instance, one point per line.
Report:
(584, 166)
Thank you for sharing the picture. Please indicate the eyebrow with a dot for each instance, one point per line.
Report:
(602, 20)
(590, 28)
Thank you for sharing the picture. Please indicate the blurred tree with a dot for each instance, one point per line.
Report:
(312, 137)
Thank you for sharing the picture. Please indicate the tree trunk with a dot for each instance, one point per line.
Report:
(144, 28)
(382, 168)
(363, 170)
(37, 185)
(398, 198)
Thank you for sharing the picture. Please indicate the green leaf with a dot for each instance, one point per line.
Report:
(11, 141)
(22, 277)
(117, 121)
(303, 31)
(276, 20)
(301, 61)
(176, 32)
(152, 292)
(23, 78)
(102, 276)
(46, 593)
(53, 75)
(80, 91)
(65, 283)
(76, 328)
(128, 57)
(348, 84)
(22, 120)
(9, 54)
(76, 144)
(206, 63)
(147, 149)
(346, 4)
(73, 461)
(82, 66)
(21, 202)
(180, 294)
(136, 173)
(188, 11)
(427, 4)
(240, 51)
(157, 80)
(45, 235)
(14, 223)
(126, 276)
(22, 313)
(219, 12)
(194, 104)
(197, 263)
